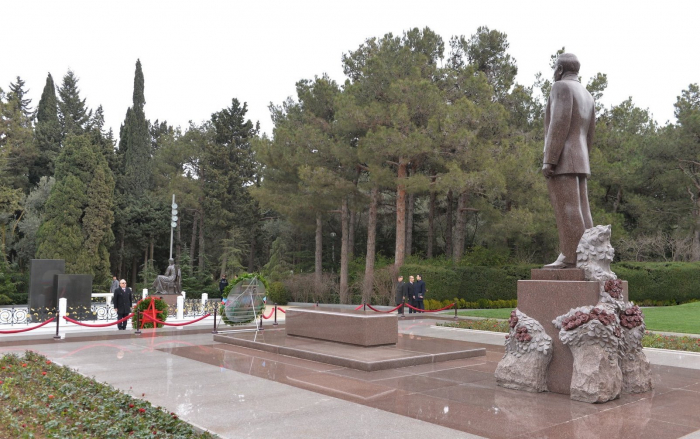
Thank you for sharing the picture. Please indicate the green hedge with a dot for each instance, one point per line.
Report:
(649, 282)
(469, 283)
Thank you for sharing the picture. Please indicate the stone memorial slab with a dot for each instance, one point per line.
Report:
(77, 290)
(41, 278)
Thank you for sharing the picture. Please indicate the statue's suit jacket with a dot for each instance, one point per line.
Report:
(569, 124)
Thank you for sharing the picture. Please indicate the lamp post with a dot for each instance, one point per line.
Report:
(173, 224)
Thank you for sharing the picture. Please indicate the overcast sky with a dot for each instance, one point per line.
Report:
(198, 55)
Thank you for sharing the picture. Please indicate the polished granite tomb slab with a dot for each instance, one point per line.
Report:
(362, 328)
(408, 351)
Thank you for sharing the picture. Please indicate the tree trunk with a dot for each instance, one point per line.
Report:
(696, 233)
(120, 264)
(400, 250)
(224, 260)
(351, 235)
(200, 261)
(344, 252)
(145, 266)
(134, 271)
(618, 198)
(431, 224)
(409, 223)
(368, 287)
(460, 227)
(318, 266)
(178, 248)
(251, 254)
(344, 262)
(193, 240)
(152, 266)
(448, 222)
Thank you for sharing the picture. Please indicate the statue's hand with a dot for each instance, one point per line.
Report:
(548, 170)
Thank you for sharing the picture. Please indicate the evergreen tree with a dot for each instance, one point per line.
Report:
(135, 143)
(17, 149)
(17, 96)
(48, 133)
(73, 113)
(79, 212)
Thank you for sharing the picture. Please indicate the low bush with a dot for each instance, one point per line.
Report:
(277, 294)
(463, 304)
(39, 399)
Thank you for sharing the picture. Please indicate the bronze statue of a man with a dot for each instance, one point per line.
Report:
(169, 283)
(569, 124)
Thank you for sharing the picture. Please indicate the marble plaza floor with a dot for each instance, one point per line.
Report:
(238, 392)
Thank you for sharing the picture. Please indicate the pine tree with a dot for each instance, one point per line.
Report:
(79, 212)
(17, 96)
(73, 113)
(48, 133)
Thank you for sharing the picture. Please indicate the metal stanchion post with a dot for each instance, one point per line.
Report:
(260, 328)
(58, 319)
(364, 306)
(275, 323)
(216, 308)
(455, 311)
(403, 308)
(138, 322)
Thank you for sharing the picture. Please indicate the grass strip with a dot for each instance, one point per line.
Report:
(650, 340)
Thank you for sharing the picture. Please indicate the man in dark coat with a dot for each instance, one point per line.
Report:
(123, 298)
(223, 283)
(401, 290)
(411, 293)
(420, 292)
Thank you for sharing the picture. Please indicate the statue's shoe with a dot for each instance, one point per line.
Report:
(559, 263)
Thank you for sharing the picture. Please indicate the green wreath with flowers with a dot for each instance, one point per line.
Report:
(142, 305)
(245, 277)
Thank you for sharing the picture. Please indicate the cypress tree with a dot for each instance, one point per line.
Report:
(136, 142)
(47, 134)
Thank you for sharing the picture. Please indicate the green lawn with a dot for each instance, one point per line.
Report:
(680, 318)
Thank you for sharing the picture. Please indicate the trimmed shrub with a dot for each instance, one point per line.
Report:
(277, 294)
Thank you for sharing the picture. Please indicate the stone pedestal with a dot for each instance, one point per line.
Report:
(545, 300)
(169, 299)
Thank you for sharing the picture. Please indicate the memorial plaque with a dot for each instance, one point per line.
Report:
(77, 290)
(41, 288)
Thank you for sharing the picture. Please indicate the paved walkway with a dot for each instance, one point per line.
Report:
(235, 392)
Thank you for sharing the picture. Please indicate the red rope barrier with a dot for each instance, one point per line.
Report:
(280, 309)
(99, 325)
(15, 331)
(430, 310)
(378, 310)
(358, 307)
(149, 319)
(269, 315)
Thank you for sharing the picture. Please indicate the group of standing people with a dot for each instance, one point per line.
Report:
(411, 292)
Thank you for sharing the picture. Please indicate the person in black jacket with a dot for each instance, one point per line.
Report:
(420, 292)
(123, 298)
(223, 283)
(411, 293)
(401, 290)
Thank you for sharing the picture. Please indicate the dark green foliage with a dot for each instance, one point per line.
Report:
(277, 294)
(48, 133)
(135, 143)
(79, 211)
(661, 283)
(73, 113)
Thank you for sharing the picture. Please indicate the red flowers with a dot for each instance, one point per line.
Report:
(24, 364)
(50, 396)
(131, 406)
(48, 361)
(142, 410)
(43, 373)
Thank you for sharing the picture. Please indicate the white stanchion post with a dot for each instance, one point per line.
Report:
(180, 307)
(184, 294)
(62, 307)
(145, 293)
(205, 297)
